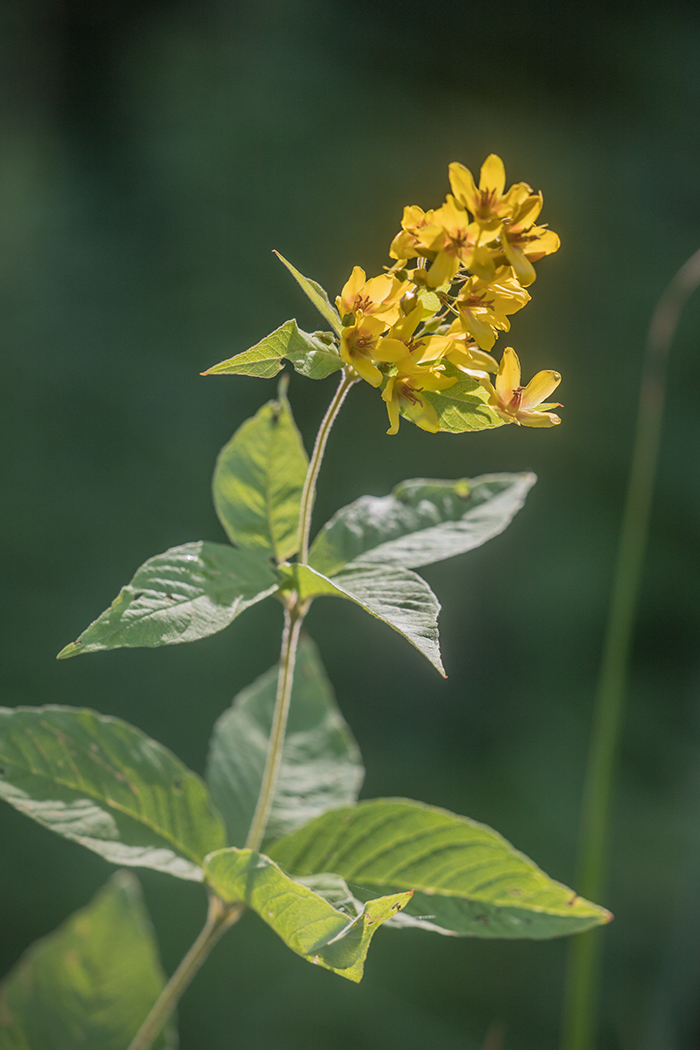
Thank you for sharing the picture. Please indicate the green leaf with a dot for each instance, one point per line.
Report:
(321, 764)
(312, 355)
(468, 880)
(421, 522)
(258, 481)
(186, 593)
(463, 406)
(306, 922)
(103, 783)
(396, 596)
(91, 983)
(317, 295)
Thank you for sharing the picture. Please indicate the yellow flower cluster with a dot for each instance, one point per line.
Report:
(416, 329)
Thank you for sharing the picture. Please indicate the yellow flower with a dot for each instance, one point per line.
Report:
(377, 297)
(488, 204)
(402, 394)
(358, 343)
(455, 241)
(405, 244)
(522, 405)
(524, 243)
(484, 305)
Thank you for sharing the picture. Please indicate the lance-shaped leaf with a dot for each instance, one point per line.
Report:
(184, 594)
(468, 880)
(89, 984)
(421, 522)
(392, 594)
(258, 481)
(311, 355)
(463, 406)
(321, 764)
(103, 783)
(317, 295)
(307, 922)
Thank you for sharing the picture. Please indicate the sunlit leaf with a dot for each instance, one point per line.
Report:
(307, 922)
(311, 355)
(321, 765)
(463, 406)
(184, 594)
(105, 784)
(317, 295)
(421, 522)
(91, 983)
(396, 596)
(468, 880)
(258, 481)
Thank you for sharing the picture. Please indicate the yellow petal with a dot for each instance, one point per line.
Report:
(539, 388)
(422, 414)
(538, 419)
(390, 350)
(524, 270)
(364, 368)
(443, 270)
(435, 381)
(527, 212)
(353, 285)
(508, 377)
(478, 329)
(546, 243)
(463, 186)
(493, 175)
(392, 408)
(482, 264)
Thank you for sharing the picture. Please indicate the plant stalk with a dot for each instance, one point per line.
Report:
(293, 619)
(580, 1006)
(220, 915)
(308, 495)
(219, 918)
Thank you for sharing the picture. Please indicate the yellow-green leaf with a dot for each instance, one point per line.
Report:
(307, 922)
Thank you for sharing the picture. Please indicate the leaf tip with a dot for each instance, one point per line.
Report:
(72, 649)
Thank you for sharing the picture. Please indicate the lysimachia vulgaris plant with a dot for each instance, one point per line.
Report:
(276, 826)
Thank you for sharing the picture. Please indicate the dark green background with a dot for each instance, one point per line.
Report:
(151, 155)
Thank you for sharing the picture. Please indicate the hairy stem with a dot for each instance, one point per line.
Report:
(580, 1010)
(308, 494)
(219, 918)
(293, 619)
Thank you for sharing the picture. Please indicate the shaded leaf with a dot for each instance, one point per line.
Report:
(421, 522)
(463, 406)
(394, 595)
(317, 295)
(468, 880)
(91, 983)
(311, 355)
(186, 593)
(321, 764)
(306, 922)
(258, 481)
(105, 784)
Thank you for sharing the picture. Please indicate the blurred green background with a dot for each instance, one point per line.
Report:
(151, 154)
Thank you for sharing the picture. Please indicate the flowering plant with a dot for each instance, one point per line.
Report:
(276, 827)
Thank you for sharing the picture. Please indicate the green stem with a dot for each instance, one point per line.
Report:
(219, 918)
(580, 1008)
(293, 619)
(308, 494)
